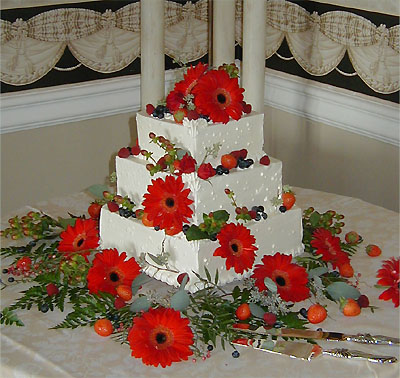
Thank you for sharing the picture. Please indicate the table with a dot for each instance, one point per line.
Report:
(36, 351)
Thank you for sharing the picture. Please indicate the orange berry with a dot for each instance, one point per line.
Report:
(243, 311)
(125, 292)
(316, 313)
(288, 200)
(103, 327)
(346, 270)
(373, 250)
(351, 308)
(228, 161)
(146, 221)
(241, 326)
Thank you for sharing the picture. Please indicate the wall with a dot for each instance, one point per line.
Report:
(57, 160)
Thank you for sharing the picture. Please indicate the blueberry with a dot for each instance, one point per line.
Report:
(213, 237)
(121, 211)
(10, 279)
(225, 171)
(185, 227)
(303, 312)
(219, 170)
(21, 249)
(319, 329)
(44, 307)
(114, 317)
(258, 217)
(282, 209)
(278, 325)
(260, 209)
(235, 354)
(5, 271)
(128, 213)
(264, 215)
(32, 243)
(157, 228)
(133, 214)
(159, 109)
(210, 348)
(160, 115)
(242, 164)
(335, 273)
(249, 162)
(254, 208)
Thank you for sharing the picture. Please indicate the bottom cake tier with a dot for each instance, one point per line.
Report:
(281, 232)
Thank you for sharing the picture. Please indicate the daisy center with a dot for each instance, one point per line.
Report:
(221, 98)
(236, 247)
(161, 337)
(80, 242)
(170, 202)
(114, 277)
(280, 281)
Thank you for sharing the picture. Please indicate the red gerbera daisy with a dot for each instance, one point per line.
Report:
(175, 100)
(291, 279)
(191, 78)
(218, 96)
(109, 269)
(389, 276)
(83, 236)
(328, 246)
(236, 247)
(160, 337)
(167, 203)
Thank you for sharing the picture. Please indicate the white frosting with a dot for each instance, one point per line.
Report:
(197, 135)
(279, 233)
(252, 186)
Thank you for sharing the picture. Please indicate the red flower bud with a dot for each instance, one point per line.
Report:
(206, 171)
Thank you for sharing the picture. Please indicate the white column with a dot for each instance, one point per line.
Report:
(152, 87)
(253, 65)
(223, 47)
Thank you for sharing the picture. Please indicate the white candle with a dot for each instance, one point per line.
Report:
(152, 87)
(223, 47)
(253, 65)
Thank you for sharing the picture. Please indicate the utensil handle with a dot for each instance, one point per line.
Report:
(366, 338)
(357, 354)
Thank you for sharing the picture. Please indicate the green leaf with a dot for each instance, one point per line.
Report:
(194, 233)
(221, 215)
(339, 290)
(65, 222)
(139, 281)
(97, 190)
(292, 320)
(155, 259)
(216, 277)
(208, 275)
(141, 303)
(270, 284)
(180, 300)
(236, 292)
(317, 272)
(256, 310)
(314, 219)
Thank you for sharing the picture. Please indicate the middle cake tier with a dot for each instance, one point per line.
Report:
(253, 186)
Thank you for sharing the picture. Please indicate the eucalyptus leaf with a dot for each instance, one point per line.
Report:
(317, 272)
(65, 222)
(180, 153)
(97, 190)
(139, 281)
(271, 285)
(155, 259)
(339, 290)
(317, 280)
(256, 310)
(180, 300)
(141, 303)
(184, 281)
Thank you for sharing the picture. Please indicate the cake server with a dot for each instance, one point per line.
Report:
(307, 351)
(364, 338)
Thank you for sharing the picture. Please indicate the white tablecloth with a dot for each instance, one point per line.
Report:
(36, 351)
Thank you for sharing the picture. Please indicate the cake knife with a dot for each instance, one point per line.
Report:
(364, 338)
(308, 352)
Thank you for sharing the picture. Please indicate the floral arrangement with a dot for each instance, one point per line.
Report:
(212, 94)
(107, 290)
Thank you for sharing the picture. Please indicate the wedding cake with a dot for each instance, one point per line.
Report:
(207, 192)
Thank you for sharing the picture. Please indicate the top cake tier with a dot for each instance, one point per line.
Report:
(197, 135)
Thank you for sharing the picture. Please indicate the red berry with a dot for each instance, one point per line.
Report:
(239, 154)
(228, 161)
(192, 114)
(252, 214)
(181, 277)
(103, 327)
(150, 109)
(346, 270)
(243, 311)
(373, 250)
(94, 210)
(119, 303)
(265, 160)
(135, 150)
(52, 289)
(363, 301)
(241, 326)
(316, 314)
(112, 206)
(246, 108)
(227, 191)
(269, 318)
(152, 135)
(124, 152)
(24, 263)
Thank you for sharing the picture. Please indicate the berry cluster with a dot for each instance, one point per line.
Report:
(256, 213)
(158, 112)
(34, 224)
(329, 220)
(286, 200)
(125, 152)
(123, 205)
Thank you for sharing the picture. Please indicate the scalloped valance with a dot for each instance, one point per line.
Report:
(110, 41)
